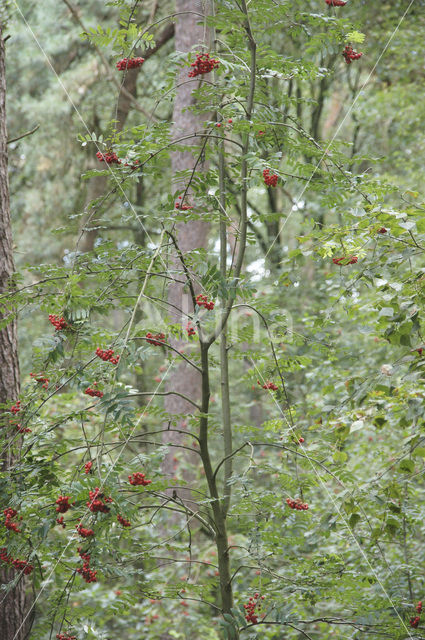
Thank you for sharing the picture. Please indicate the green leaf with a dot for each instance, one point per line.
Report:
(355, 37)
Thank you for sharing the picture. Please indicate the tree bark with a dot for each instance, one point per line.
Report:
(13, 605)
(184, 379)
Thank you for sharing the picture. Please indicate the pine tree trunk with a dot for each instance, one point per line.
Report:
(13, 605)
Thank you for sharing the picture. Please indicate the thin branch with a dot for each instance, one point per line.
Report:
(24, 135)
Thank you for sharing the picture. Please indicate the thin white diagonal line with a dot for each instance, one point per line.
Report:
(341, 124)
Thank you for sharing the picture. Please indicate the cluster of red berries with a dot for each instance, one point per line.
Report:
(110, 157)
(336, 3)
(344, 260)
(65, 636)
(21, 565)
(138, 479)
(300, 441)
(63, 504)
(83, 531)
(85, 571)
(415, 620)
(270, 179)
(203, 64)
(157, 339)
(94, 393)
(202, 301)
(97, 502)
(133, 165)
(382, 230)
(107, 355)
(38, 377)
(9, 523)
(350, 55)
(16, 408)
(20, 429)
(183, 207)
(251, 607)
(296, 504)
(58, 322)
(268, 385)
(220, 124)
(123, 521)
(88, 466)
(190, 330)
(129, 63)
(60, 521)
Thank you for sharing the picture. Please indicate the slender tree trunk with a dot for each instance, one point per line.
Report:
(189, 32)
(12, 605)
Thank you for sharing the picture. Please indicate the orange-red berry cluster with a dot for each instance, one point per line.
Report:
(10, 523)
(65, 636)
(268, 385)
(38, 377)
(138, 479)
(88, 466)
(253, 608)
(344, 260)
(94, 393)
(123, 521)
(21, 429)
(16, 408)
(336, 3)
(60, 521)
(110, 157)
(157, 339)
(58, 322)
(382, 230)
(107, 355)
(350, 55)
(296, 504)
(129, 63)
(97, 502)
(85, 571)
(183, 207)
(415, 620)
(190, 330)
(21, 565)
(84, 532)
(63, 504)
(203, 64)
(202, 301)
(270, 179)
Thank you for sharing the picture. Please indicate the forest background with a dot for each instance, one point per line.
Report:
(212, 315)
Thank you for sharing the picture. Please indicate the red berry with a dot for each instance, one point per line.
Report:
(129, 63)
(156, 339)
(350, 55)
(202, 301)
(203, 64)
(269, 179)
(139, 479)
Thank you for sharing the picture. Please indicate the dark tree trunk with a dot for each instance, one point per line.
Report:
(12, 605)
